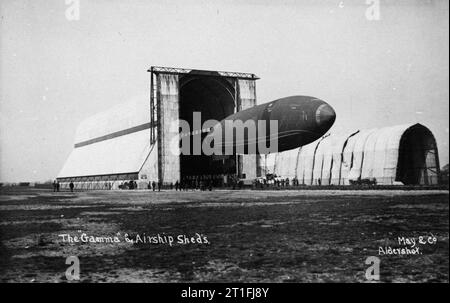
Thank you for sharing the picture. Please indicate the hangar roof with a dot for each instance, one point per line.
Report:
(119, 155)
(118, 118)
(366, 154)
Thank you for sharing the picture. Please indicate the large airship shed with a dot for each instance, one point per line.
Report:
(132, 141)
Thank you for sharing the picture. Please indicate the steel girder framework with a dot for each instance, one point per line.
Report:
(175, 70)
(155, 70)
(155, 98)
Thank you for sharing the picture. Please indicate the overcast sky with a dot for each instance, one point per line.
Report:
(55, 72)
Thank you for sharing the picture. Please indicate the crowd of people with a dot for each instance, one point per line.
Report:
(274, 181)
(202, 183)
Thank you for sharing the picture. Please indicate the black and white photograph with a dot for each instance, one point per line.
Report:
(202, 143)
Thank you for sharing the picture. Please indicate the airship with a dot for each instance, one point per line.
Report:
(279, 125)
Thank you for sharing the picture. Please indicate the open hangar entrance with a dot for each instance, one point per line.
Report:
(418, 161)
(177, 93)
(214, 98)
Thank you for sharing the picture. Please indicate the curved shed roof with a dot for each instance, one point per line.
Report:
(358, 153)
(372, 154)
(306, 159)
(339, 144)
(286, 164)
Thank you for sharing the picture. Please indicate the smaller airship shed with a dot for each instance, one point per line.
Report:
(394, 155)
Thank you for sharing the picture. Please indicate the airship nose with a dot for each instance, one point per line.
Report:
(325, 116)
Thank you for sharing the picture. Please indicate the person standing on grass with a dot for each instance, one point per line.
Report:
(71, 186)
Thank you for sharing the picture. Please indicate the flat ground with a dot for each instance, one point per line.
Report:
(254, 236)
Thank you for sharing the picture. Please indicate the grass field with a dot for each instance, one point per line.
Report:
(254, 236)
